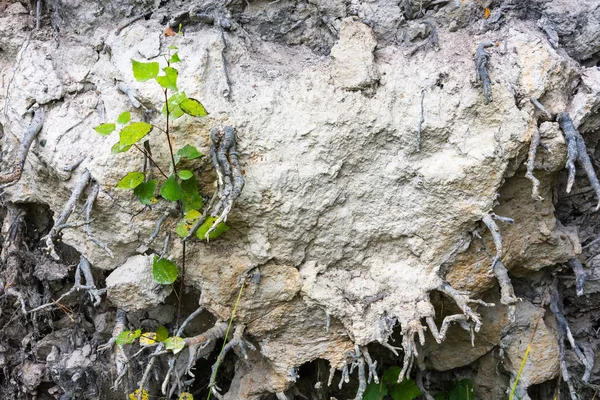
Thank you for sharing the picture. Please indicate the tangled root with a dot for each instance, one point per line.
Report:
(577, 152)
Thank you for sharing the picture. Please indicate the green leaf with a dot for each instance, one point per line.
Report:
(169, 79)
(186, 396)
(144, 71)
(193, 107)
(188, 151)
(390, 375)
(161, 334)
(189, 219)
(173, 102)
(175, 343)
(173, 47)
(105, 129)
(131, 180)
(185, 174)
(119, 148)
(127, 337)
(164, 271)
(175, 58)
(206, 225)
(171, 190)
(462, 391)
(124, 118)
(191, 199)
(405, 390)
(145, 192)
(134, 132)
(375, 391)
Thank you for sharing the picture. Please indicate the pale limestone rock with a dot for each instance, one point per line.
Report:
(353, 64)
(338, 207)
(131, 286)
(542, 363)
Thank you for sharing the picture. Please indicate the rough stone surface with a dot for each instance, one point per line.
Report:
(349, 213)
(353, 63)
(131, 286)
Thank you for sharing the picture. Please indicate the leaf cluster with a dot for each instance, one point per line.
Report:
(180, 185)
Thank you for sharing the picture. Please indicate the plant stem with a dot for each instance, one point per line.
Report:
(227, 332)
(151, 160)
(167, 132)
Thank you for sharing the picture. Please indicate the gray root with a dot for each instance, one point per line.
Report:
(156, 231)
(72, 167)
(230, 179)
(188, 320)
(462, 300)
(88, 225)
(148, 369)
(131, 21)
(481, 60)
(577, 151)
(84, 179)
(227, 91)
(214, 333)
(543, 109)
(372, 365)
(564, 332)
(130, 94)
(30, 134)
(202, 218)
(238, 342)
(431, 39)
(421, 385)
(580, 275)
(489, 221)
(362, 381)
(507, 292)
(82, 268)
(533, 145)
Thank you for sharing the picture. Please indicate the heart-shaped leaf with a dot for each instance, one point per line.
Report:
(164, 271)
(144, 71)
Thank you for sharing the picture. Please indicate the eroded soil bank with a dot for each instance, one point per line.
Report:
(414, 196)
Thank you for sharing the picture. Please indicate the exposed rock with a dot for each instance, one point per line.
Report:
(131, 286)
(353, 63)
(576, 24)
(31, 375)
(542, 363)
(358, 202)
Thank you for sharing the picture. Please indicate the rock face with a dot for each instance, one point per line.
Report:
(131, 286)
(368, 171)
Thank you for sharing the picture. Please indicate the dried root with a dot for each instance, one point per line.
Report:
(481, 59)
(580, 275)
(61, 222)
(230, 180)
(357, 359)
(585, 356)
(34, 128)
(489, 221)
(507, 292)
(533, 145)
(237, 342)
(88, 219)
(82, 268)
(577, 151)
(469, 318)
(432, 39)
